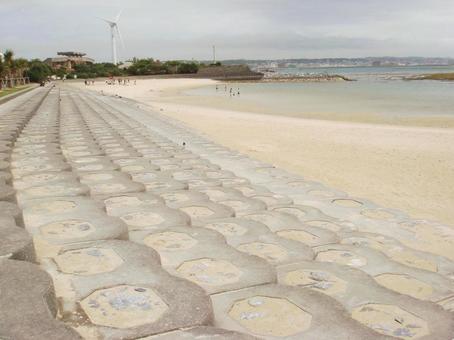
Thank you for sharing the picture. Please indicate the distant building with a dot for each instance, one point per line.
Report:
(68, 60)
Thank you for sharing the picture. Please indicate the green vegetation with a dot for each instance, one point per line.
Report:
(11, 68)
(38, 71)
(155, 67)
(96, 70)
(138, 67)
(8, 91)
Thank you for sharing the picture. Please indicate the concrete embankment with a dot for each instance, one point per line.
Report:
(142, 229)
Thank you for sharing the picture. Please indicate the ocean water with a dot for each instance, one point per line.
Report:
(377, 92)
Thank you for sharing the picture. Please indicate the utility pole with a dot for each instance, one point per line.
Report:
(214, 54)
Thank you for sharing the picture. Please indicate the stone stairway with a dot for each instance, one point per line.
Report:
(111, 228)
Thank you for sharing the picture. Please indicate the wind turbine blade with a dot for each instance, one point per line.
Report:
(110, 22)
(119, 35)
(118, 16)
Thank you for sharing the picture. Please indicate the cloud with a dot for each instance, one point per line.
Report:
(174, 29)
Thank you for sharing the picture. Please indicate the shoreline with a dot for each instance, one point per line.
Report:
(179, 95)
(404, 167)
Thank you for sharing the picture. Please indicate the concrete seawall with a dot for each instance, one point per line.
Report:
(120, 223)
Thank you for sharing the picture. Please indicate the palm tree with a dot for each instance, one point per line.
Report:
(8, 62)
(19, 67)
(2, 68)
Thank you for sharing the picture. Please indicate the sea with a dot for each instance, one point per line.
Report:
(375, 91)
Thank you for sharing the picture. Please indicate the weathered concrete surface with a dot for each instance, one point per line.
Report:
(27, 304)
(202, 333)
(119, 291)
(143, 236)
(356, 290)
(15, 242)
(274, 311)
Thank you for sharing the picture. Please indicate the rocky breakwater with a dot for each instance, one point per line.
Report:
(230, 72)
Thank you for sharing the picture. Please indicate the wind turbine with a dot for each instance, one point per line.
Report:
(114, 31)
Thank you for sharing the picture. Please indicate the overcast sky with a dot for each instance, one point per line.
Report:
(186, 29)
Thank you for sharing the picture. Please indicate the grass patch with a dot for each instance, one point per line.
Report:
(8, 91)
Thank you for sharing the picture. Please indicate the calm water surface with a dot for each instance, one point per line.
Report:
(377, 91)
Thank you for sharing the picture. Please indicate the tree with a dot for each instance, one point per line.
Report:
(8, 62)
(38, 71)
(2, 67)
(147, 67)
(188, 68)
(20, 65)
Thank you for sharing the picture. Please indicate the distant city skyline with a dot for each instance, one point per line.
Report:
(249, 29)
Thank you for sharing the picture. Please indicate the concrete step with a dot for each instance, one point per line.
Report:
(276, 311)
(390, 314)
(202, 256)
(390, 273)
(118, 290)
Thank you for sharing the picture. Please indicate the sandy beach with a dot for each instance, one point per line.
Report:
(403, 167)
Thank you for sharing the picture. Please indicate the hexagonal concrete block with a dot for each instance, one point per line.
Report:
(400, 253)
(270, 316)
(405, 284)
(124, 306)
(430, 237)
(210, 272)
(274, 311)
(354, 288)
(57, 189)
(115, 203)
(341, 257)
(391, 320)
(177, 199)
(88, 261)
(41, 211)
(319, 280)
(217, 194)
(170, 241)
(375, 263)
(254, 238)
(43, 178)
(200, 212)
(202, 256)
(152, 217)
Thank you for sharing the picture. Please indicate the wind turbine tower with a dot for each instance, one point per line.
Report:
(114, 32)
